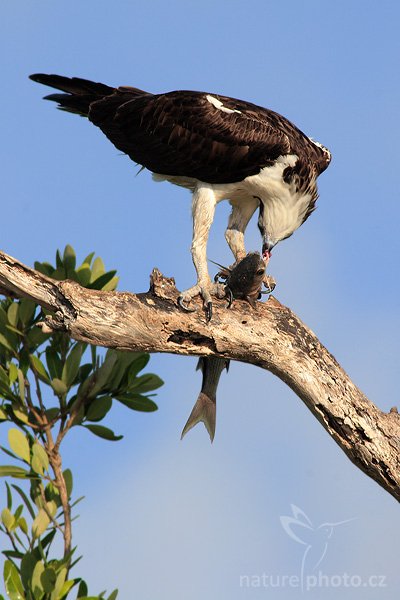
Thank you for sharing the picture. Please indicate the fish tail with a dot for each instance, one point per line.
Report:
(204, 410)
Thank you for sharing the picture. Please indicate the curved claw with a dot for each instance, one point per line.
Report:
(209, 311)
(269, 283)
(230, 297)
(183, 306)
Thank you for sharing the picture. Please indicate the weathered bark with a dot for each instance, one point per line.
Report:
(270, 336)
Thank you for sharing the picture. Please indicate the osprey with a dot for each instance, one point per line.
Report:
(219, 148)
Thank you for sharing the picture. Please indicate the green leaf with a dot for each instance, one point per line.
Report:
(13, 554)
(71, 366)
(69, 258)
(12, 314)
(59, 262)
(59, 386)
(12, 581)
(4, 377)
(21, 384)
(51, 493)
(9, 497)
(6, 394)
(103, 374)
(111, 285)
(89, 258)
(7, 518)
(79, 415)
(19, 444)
(39, 368)
(52, 413)
(18, 512)
(68, 481)
(103, 432)
(14, 330)
(3, 314)
(83, 274)
(97, 269)
(101, 282)
(59, 274)
(28, 563)
(146, 383)
(93, 352)
(59, 584)
(82, 589)
(19, 412)
(12, 471)
(36, 492)
(23, 525)
(37, 585)
(113, 595)
(45, 268)
(127, 367)
(54, 363)
(4, 342)
(40, 523)
(40, 460)
(66, 587)
(51, 507)
(48, 579)
(84, 372)
(98, 408)
(27, 310)
(137, 402)
(47, 540)
(23, 359)
(138, 364)
(3, 414)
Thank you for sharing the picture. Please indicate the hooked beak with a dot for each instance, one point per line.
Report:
(267, 249)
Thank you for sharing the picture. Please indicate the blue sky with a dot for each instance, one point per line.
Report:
(164, 518)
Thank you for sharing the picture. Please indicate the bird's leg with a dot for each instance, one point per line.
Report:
(242, 211)
(238, 220)
(203, 208)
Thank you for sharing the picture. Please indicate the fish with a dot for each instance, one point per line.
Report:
(205, 407)
(243, 280)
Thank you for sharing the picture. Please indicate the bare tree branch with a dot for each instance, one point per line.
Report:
(270, 336)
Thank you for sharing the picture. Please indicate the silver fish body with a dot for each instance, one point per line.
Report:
(205, 408)
(243, 280)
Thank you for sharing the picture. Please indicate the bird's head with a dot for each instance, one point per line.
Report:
(278, 219)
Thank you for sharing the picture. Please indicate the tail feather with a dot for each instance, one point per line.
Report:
(204, 410)
(73, 85)
(79, 93)
(97, 101)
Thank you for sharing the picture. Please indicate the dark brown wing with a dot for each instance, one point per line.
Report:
(186, 133)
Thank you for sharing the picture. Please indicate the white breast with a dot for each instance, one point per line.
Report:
(285, 207)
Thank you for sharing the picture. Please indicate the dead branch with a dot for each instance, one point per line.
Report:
(270, 336)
